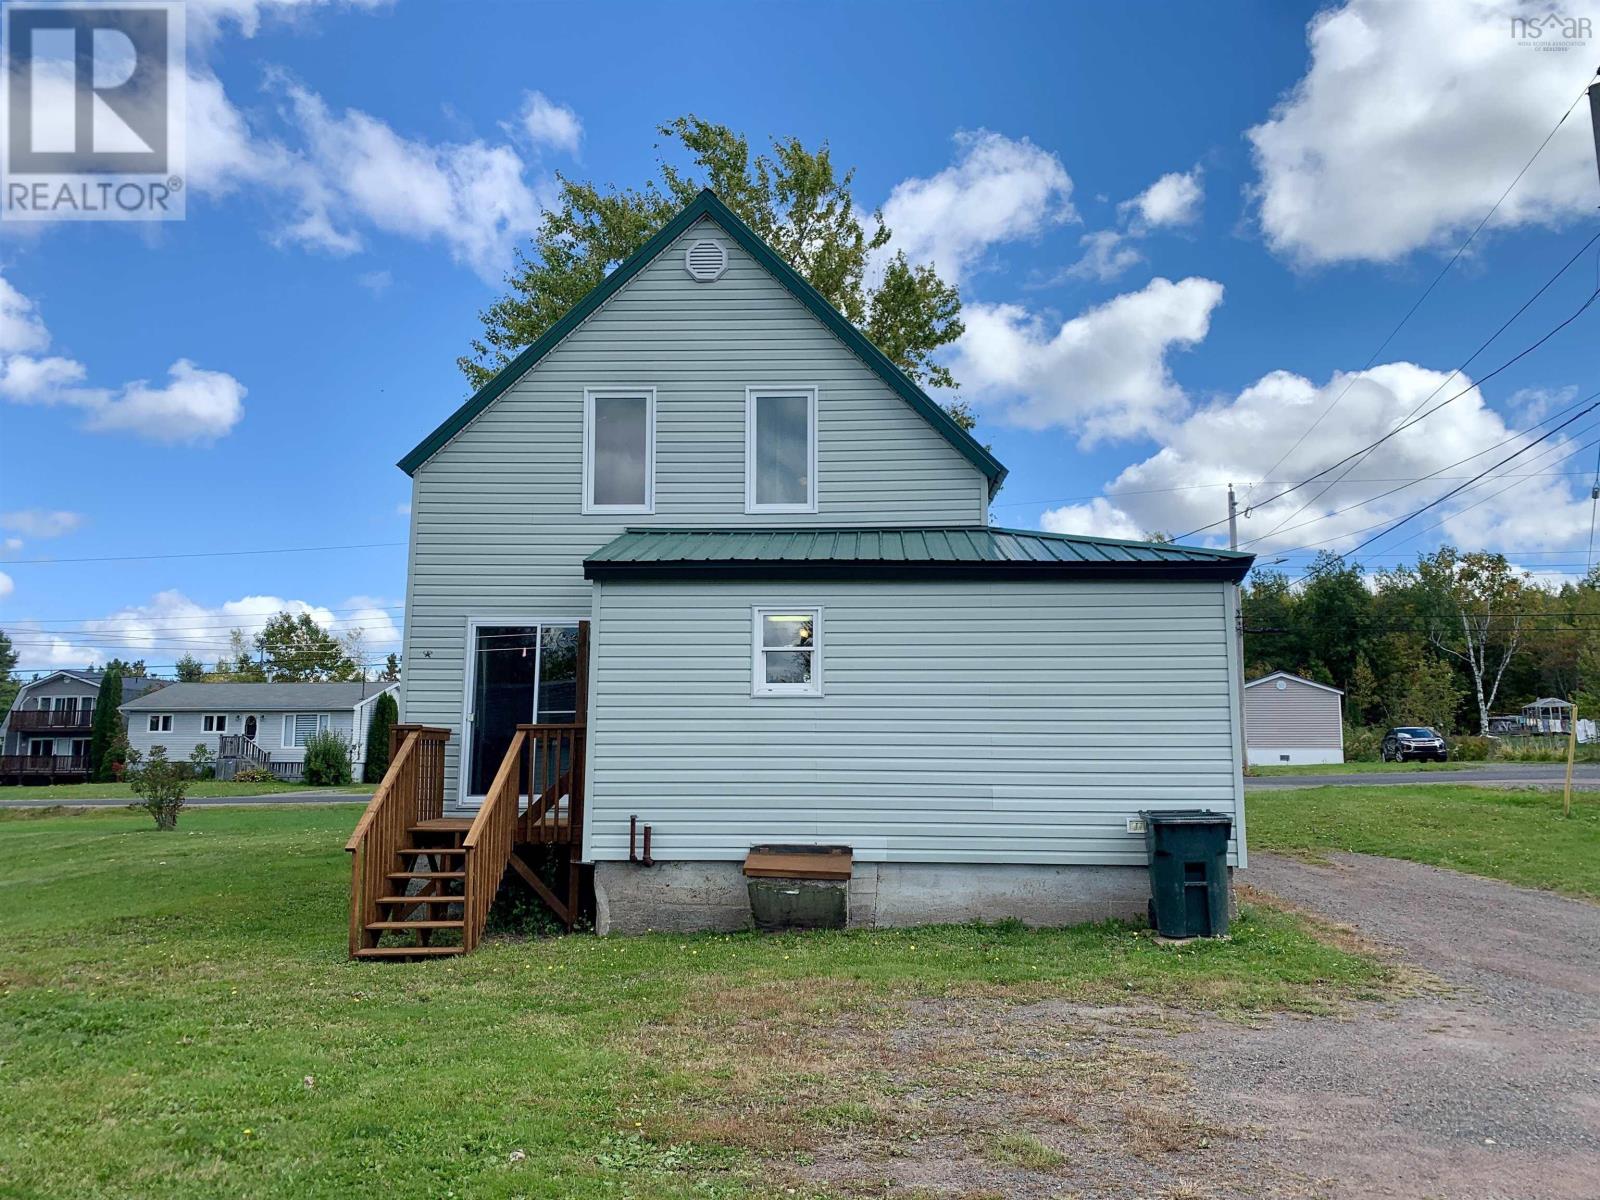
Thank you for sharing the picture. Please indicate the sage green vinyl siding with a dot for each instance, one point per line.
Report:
(497, 522)
(1014, 722)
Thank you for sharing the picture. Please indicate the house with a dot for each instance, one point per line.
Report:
(258, 724)
(45, 736)
(1288, 719)
(701, 569)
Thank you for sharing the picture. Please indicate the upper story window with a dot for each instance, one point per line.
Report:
(619, 451)
(780, 453)
(160, 722)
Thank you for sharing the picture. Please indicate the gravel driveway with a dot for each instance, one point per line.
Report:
(1486, 1088)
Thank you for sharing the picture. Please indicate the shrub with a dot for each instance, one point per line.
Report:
(385, 713)
(1362, 742)
(202, 763)
(253, 774)
(327, 759)
(160, 784)
(1472, 749)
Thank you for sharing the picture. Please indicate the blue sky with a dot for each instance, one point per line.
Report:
(1176, 228)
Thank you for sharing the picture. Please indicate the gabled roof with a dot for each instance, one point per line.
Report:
(706, 204)
(132, 685)
(1297, 678)
(858, 553)
(256, 697)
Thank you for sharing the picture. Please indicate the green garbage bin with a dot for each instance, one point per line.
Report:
(1188, 855)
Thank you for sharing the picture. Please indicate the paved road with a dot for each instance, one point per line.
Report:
(1585, 775)
(318, 797)
(1487, 1088)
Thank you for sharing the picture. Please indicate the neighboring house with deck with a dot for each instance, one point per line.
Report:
(1289, 719)
(45, 736)
(701, 570)
(258, 724)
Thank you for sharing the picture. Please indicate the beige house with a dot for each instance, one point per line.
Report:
(1288, 719)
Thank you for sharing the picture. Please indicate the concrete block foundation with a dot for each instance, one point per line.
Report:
(683, 897)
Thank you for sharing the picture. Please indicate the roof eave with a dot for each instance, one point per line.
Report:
(800, 569)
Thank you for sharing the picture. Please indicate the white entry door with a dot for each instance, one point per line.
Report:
(518, 674)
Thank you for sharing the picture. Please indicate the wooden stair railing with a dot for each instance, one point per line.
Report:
(489, 844)
(411, 793)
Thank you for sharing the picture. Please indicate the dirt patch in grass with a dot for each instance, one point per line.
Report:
(852, 1093)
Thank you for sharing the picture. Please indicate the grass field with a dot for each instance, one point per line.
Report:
(67, 793)
(1365, 768)
(1516, 835)
(178, 1019)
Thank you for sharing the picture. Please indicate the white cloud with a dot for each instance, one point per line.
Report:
(12, 545)
(171, 625)
(1097, 517)
(196, 405)
(39, 523)
(1106, 255)
(550, 124)
(1174, 199)
(1409, 123)
(403, 509)
(999, 189)
(6, 586)
(1102, 374)
(207, 17)
(1232, 438)
(376, 282)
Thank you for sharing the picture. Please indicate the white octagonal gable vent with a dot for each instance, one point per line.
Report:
(705, 261)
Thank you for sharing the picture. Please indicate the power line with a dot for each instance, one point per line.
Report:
(202, 554)
(1412, 418)
(1428, 291)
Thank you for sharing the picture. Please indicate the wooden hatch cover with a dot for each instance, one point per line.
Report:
(798, 862)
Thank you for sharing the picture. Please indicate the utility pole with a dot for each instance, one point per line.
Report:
(1594, 116)
(1238, 592)
(1594, 496)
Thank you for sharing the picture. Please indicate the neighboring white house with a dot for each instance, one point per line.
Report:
(802, 627)
(274, 719)
(45, 736)
(1288, 719)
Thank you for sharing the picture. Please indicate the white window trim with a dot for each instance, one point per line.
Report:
(649, 396)
(288, 727)
(163, 722)
(759, 687)
(750, 396)
(219, 723)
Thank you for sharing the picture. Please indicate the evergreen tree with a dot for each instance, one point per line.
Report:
(8, 686)
(385, 714)
(189, 669)
(104, 732)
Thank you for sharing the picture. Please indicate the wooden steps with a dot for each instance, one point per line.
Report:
(402, 926)
(401, 952)
(426, 898)
(426, 875)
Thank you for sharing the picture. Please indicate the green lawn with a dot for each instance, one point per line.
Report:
(178, 1019)
(66, 793)
(1516, 835)
(1364, 768)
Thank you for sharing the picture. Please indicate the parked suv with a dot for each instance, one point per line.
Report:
(1413, 741)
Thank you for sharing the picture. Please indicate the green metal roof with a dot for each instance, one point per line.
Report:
(854, 553)
(706, 204)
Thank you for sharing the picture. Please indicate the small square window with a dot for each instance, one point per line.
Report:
(788, 652)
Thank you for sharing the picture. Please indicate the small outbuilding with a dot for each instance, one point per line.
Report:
(1288, 719)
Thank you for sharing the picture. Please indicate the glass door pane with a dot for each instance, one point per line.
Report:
(505, 679)
(558, 699)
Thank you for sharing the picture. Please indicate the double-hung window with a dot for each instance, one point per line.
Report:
(215, 723)
(788, 652)
(780, 450)
(619, 451)
(160, 722)
(298, 727)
